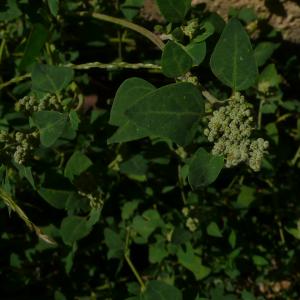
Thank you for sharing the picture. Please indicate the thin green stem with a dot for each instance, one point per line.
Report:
(1, 49)
(129, 262)
(15, 80)
(296, 156)
(143, 31)
(259, 117)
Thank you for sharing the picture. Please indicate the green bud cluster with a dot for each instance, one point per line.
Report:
(230, 130)
(18, 144)
(31, 104)
(191, 223)
(96, 201)
(191, 28)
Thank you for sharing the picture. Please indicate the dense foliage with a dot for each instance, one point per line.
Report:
(153, 161)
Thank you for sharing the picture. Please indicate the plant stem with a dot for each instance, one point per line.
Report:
(259, 117)
(113, 66)
(15, 80)
(143, 31)
(86, 66)
(130, 264)
(296, 156)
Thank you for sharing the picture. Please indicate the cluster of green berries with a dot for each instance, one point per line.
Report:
(230, 129)
(31, 104)
(18, 144)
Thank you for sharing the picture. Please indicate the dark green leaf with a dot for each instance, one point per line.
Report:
(56, 198)
(114, 243)
(77, 164)
(174, 10)
(136, 165)
(213, 230)
(37, 38)
(158, 290)
(204, 168)
(232, 61)
(74, 228)
(51, 79)
(130, 8)
(53, 6)
(130, 91)
(51, 125)
(197, 51)
(264, 51)
(169, 112)
(175, 60)
(147, 223)
(12, 11)
(192, 262)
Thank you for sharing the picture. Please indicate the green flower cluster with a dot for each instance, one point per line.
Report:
(230, 129)
(18, 144)
(95, 199)
(31, 104)
(192, 223)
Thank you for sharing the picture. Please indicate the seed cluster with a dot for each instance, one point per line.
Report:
(31, 104)
(18, 144)
(230, 129)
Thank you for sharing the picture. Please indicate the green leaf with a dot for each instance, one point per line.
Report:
(192, 262)
(269, 77)
(12, 12)
(213, 230)
(130, 92)
(206, 30)
(295, 232)
(26, 172)
(51, 125)
(74, 228)
(157, 251)
(232, 239)
(174, 10)
(74, 119)
(144, 225)
(259, 260)
(36, 41)
(56, 198)
(246, 197)
(53, 6)
(204, 168)
(175, 60)
(197, 51)
(114, 243)
(169, 112)
(77, 164)
(158, 290)
(247, 295)
(51, 79)
(127, 132)
(263, 51)
(130, 8)
(129, 208)
(136, 166)
(232, 61)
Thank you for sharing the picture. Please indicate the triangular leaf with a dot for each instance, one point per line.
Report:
(232, 61)
(169, 112)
